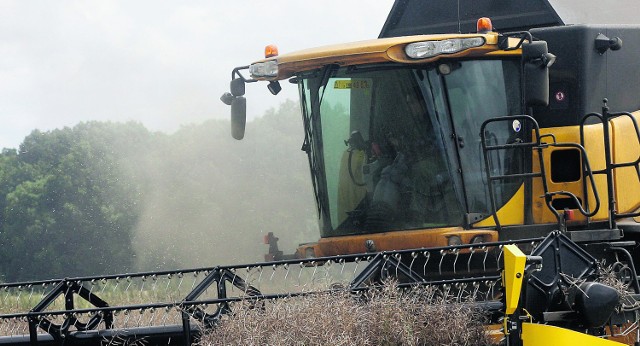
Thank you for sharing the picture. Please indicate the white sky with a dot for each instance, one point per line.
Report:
(162, 63)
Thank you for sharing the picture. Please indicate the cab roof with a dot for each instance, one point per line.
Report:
(370, 51)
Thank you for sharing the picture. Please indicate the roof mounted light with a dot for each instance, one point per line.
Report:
(429, 49)
(264, 69)
(270, 51)
(484, 25)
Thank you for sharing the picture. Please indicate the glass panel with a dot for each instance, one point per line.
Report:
(479, 90)
(383, 160)
(381, 148)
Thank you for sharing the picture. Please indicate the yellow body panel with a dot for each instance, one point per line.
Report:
(513, 274)
(544, 335)
(512, 213)
(595, 153)
(398, 240)
(376, 51)
(626, 149)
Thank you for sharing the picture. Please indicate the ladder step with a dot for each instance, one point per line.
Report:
(595, 235)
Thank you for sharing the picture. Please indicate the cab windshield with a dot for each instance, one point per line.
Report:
(394, 147)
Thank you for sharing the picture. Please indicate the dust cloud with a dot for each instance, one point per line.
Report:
(208, 199)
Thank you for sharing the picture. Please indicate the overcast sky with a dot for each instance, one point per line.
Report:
(162, 63)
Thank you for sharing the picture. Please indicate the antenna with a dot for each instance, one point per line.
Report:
(459, 28)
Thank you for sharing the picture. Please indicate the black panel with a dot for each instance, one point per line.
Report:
(582, 77)
(565, 166)
(623, 69)
(413, 17)
(565, 203)
(562, 259)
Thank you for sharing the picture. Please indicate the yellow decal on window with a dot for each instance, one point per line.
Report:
(351, 84)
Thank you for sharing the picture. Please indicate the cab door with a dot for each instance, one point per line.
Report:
(477, 91)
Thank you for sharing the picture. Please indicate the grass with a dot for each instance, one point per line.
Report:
(383, 316)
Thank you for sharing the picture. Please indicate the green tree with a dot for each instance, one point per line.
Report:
(71, 210)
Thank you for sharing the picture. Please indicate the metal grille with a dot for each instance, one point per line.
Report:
(117, 307)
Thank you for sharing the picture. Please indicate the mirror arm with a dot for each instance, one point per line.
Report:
(503, 40)
(236, 72)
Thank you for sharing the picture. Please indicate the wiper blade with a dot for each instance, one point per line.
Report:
(326, 74)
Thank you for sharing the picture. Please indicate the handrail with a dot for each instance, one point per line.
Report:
(604, 119)
(538, 145)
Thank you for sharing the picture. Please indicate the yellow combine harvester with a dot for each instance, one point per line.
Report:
(428, 139)
(494, 166)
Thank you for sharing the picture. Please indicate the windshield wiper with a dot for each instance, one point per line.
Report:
(326, 74)
(306, 147)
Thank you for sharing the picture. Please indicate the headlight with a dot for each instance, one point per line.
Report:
(309, 252)
(264, 69)
(477, 239)
(429, 49)
(454, 240)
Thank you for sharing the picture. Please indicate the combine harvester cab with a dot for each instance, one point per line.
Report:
(497, 165)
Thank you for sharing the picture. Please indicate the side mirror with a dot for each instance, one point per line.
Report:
(537, 59)
(227, 98)
(274, 87)
(237, 87)
(238, 117)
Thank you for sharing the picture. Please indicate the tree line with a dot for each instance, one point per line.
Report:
(103, 197)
